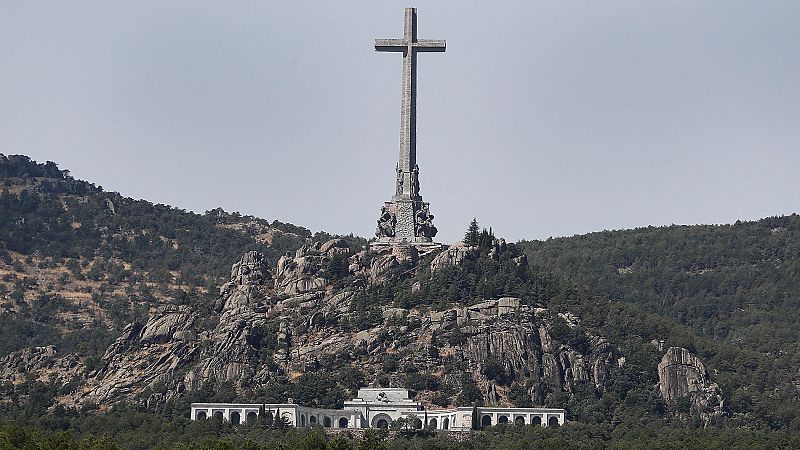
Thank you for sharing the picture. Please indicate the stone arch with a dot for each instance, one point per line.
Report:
(343, 422)
(381, 421)
(235, 417)
(326, 422)
(302, 420)
(251, 418)
(201, 415)
(433, 423)
(219, 415)
(446, 423)
(519, 420)
(312, 420)
(552, 422)
(486, 421)
(537, 420)
(502, 419)
(417, 424)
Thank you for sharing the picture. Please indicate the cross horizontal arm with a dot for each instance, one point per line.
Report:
(390, 45)
(429, 45)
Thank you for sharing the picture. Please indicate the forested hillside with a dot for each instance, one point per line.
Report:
(117, 313)
(78, 263)
(735, 287)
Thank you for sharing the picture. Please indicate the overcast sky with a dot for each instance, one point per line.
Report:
(543, 118)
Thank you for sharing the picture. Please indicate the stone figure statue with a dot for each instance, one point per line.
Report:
(415, 182)
(423, 223)
(399, 180)
(386, 223)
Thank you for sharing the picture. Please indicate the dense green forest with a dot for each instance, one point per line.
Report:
(126, 428)
(732, 293)
(166, 243)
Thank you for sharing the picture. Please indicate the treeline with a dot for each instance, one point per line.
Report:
(131, 430)
(154, 239)
(45, 176)
(22, 166)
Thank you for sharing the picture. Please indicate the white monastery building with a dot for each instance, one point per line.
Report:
(378, 408)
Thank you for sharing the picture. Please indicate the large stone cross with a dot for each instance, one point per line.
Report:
(409, 45)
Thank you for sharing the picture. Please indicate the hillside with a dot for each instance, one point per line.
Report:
(736, 288)
(78, 263)
(120, 305)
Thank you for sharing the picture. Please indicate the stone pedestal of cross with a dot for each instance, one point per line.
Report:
(406, 219)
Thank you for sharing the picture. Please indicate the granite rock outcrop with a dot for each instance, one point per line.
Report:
(296, 315)
(681, 375)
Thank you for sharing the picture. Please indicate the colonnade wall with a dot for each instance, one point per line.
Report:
(451, 419)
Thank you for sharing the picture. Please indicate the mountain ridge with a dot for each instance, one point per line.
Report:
(95, 284)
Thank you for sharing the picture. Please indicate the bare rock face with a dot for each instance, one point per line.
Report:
(304, 272)
(375, 268)
(170, 342)
(251, 269)
(231, 346)
(334, 247)
(453, 256)
(143, 355)
(681, 374)
(500, 342)
(381, 267)
(42, 362)
(507, 334)
(165, 323)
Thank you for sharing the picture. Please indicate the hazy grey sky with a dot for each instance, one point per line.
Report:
(542, 118)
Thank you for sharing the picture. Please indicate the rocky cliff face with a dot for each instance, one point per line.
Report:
(267, 325)
(173, 353)
(296, 314)
(44, 362)
(681, 375)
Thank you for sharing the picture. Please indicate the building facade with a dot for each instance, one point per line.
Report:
(378, 408)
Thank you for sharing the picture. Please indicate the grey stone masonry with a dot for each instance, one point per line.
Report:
(406, 218)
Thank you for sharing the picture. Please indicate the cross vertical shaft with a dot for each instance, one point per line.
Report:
(408, 111)
(409, 45)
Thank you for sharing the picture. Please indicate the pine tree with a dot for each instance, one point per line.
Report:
(268, 419)
(280, 422)
(476, 425)
(473, 233)
(262, 416)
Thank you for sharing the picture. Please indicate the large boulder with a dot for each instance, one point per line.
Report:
(165, 323)
(304, 272)
(41, 362)
(453, 256)
(681, 374)
(251, 269)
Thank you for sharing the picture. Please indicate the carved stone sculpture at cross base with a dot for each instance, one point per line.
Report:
(406, 219)
(424, 222)
(386, 224)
